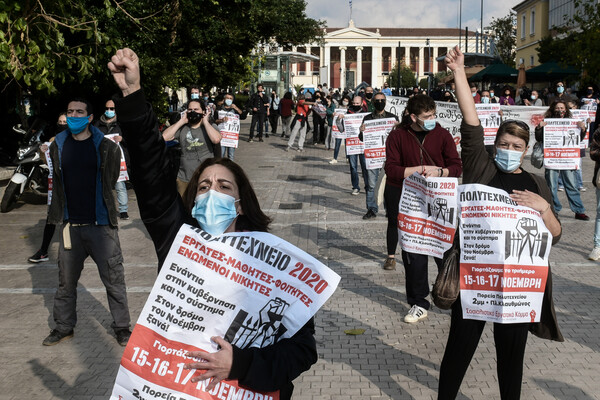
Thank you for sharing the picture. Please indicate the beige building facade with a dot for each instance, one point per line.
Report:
(532, 26)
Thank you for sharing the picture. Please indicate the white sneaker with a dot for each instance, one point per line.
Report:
(415, 314)
(582, 189)
(355, 192)
(595, 254)
(334, 161)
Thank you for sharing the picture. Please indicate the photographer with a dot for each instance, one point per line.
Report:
(198, 139)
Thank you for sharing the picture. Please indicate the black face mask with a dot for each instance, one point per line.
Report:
(559, 114)
(194, 117)
(379, 105)
(61, 127)
(355, 109)
(590, 91)
(369, 95)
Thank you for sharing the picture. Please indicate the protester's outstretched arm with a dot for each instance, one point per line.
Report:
(125, 69)
(455, 60)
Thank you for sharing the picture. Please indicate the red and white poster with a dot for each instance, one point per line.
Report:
(589, 104)
(123, 176)
(489, 115)
(374, 138)
(354, 146)
(348, 126)
(230, 129)
(504, 257)
(561, 143)
(584, 116)
(427, 215)
(337, 123)
(251, 288)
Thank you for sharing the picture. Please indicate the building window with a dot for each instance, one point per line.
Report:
(531, 60)
(523, 26)
(532, 23)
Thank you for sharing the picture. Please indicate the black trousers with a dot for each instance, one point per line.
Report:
(260, 119)
(510, 341)
(391, 196)
(319, 129)
(417, 278)
(273, 120)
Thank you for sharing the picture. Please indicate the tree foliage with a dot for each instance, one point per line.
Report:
(504, 34)
(53, 48)
(578, 43)
(407, 76)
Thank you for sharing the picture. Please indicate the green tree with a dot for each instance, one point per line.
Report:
(407, 76)
(504, 34)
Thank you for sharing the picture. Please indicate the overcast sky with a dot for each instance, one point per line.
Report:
(408, 13)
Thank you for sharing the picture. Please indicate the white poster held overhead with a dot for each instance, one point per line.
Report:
(123, 175)
(251, 288)
(489, 115)
(229, 129)
(336, 123)
(374, 138)
(504, 257)
(427, 215)
(561, 143)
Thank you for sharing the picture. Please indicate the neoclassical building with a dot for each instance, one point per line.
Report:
(352, 55)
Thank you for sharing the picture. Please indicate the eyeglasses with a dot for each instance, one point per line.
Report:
(110, 108)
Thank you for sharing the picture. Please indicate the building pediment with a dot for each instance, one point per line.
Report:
(352, 32)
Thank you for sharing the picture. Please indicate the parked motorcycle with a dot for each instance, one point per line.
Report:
(31, 172)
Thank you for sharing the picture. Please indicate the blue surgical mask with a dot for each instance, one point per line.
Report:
(491, 94)
(485, 100)
(508, 160)
(77, 124)
(228, 102)
(109, 114)
(428, 124)
(474, 94)
(533, 97)
(195, 96)
(214, 211)
(560, 89)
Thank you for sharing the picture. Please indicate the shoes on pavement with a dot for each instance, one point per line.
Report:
(582, 189)
(300, 150)
(250, 140)
(582, 216)
(389, 264)
(124, 216)
(260, 140)
(266, 135)
(561, 189)
(595, 254)
(38, 257)
(370, 214)
(355, 192)
(415, 314)
(334, 161)
(288, 148)
(55, 337)
(122, 336)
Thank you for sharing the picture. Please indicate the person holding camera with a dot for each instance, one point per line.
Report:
(198, 138)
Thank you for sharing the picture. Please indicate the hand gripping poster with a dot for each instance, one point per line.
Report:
(337, 123)
(374, 138)
(489, 115)
(251, 288)
(427, 215)
(123, 175)
(561, 143)
(348, 127)
(230, 129)
(504, 257)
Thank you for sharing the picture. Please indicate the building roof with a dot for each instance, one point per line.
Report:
(411, 32)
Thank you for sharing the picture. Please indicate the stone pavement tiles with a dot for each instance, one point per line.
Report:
(312, 208)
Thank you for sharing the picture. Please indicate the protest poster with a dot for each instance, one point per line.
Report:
(561, 143)
(504, 257)
(427, 215)
(336, 122)
(251, 288)
(374, 138)
(230, 129)
(448, 115)
(583, 116)
(589, 104)
(354, 146)
(50, 171)
(489, 115)
(123, 175)
(349, 125)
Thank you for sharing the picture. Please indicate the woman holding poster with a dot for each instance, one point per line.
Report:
(502, 172)
(219, 199)
(560, 110)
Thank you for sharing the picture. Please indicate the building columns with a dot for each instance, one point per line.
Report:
(308, 69)
(407, 56)
(375, 65)
(342, 68)
(421, 71)
(326, 64)
(359, 50)
(392, 58)
(435, 63)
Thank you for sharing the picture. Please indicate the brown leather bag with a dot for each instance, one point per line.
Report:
(446, 288)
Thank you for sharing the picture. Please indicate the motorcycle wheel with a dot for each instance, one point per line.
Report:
(10, 197)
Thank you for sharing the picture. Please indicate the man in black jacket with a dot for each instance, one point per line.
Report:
(259, 103)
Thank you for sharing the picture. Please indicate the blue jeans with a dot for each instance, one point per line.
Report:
(571, 190)
(579, 176)
(122, 196)
(371, 202)
(597, 227)
(227, 152)
(336, 149)
(353, 160)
